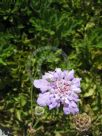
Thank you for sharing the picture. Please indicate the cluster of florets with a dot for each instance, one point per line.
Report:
(82, 122)
(59, 88)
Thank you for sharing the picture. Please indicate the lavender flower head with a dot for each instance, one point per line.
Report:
(59, 88)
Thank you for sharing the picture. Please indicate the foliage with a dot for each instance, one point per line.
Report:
(37, 36)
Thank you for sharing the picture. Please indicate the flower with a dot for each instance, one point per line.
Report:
(82, 122)
(39, 110)
(59, 88)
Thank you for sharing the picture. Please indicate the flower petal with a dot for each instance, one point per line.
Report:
(75, 89)
(58, 70)
(44, 99)
(42, 84)
(48, 76)
(71, 75)
(54, 103)
(76, 82)
(66, 110)
(58, 73)
(73, 104)
(74, 110)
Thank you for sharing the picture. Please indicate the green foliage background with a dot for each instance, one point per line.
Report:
(27, 28)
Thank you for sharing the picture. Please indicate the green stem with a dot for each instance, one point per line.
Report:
(32, 102)
(36, 123)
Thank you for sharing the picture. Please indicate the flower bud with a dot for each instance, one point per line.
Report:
(82, 122)
(39, 111)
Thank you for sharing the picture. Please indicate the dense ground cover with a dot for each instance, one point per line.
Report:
(37, 36)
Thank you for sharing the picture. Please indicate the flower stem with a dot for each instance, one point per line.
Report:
(32, 102)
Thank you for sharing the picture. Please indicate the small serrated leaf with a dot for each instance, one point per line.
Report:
(89, 93)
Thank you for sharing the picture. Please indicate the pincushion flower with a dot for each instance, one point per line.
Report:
(82, 122)
(59, 88)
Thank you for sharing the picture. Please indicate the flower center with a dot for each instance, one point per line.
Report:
(62, 86)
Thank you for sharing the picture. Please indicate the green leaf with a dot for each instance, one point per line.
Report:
(2, 62)
(18, 114)
(89, 93)
(23, 100)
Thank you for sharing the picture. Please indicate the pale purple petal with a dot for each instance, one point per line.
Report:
(74, 110)
(67, 101)
(42, 84)
(53, 103)
(65, 72)
(48, 76)
(66, 110)
(76, 82)
(58, 70)
(44, 99)
(73, 104)
(75, 89)
(71, 75)
(58, 74)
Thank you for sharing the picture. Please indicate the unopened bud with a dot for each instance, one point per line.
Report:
(39, 110)
(82, 122)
